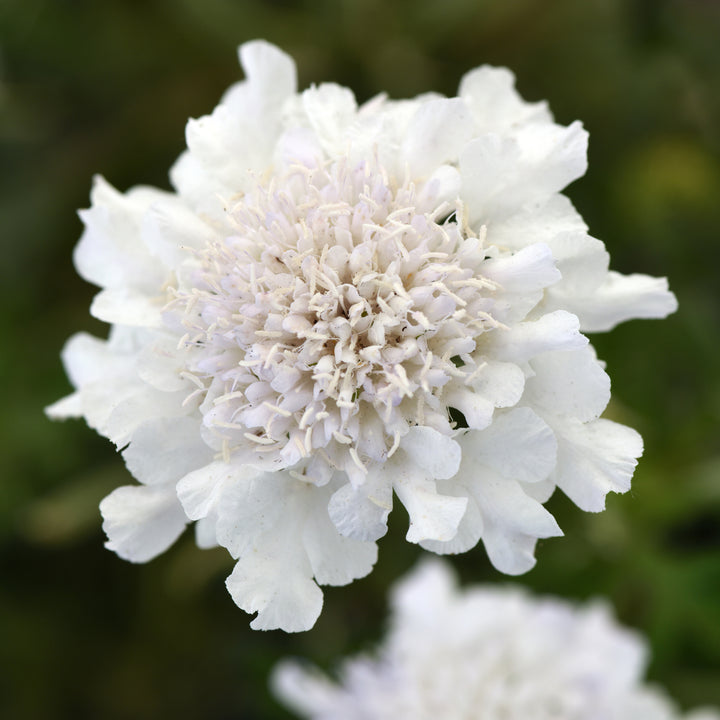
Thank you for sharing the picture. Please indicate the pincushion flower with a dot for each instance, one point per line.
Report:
(485, 653)
(342, 303)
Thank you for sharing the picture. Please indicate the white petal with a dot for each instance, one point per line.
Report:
(568, 383)
(330, 110)
(127, 306)
(518, 445)
(68, 407)
(442, 186)
(500, 383)
(110, 252)
(142, 522)
(252, 506)
(539, 222)
(160, 363)
(270, 72)
(244, 125)
(487, 165)
(278, 587)
(205, 533)
(510, 552)
(216, 140)
(436, 135)
(298, 145)
(624, 297)
(583, 263)
(199, 188)
(87, 359)
(432, 516)
(280, 531)
(527, 270)
(595, 458)
(165, 450)
(436, 454)
(541, 490)
(470, 529)
(559, 330)
(132, 406)
(361, 512)
(501, 174)
(170, 230)
(513, 523)
(558, 155)
(477, 410)
(198, 491)
(334, 559)
(497, 107)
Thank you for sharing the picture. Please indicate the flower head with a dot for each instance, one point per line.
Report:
(339, 303)
(487, 653)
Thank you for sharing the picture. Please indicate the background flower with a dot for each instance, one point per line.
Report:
(108, 88)
(485, 652)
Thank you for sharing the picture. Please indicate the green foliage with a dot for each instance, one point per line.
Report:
(90, 87)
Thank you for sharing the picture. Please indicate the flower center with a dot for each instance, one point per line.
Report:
(334, 317)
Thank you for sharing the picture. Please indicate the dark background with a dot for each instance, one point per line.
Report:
(106, 87)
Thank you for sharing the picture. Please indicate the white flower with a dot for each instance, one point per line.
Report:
(487, 653)
(339, 303)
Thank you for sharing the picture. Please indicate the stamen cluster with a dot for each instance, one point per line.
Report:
(334, 318)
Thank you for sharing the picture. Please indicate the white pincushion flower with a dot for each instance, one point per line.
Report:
(487, 653)
(339, 303)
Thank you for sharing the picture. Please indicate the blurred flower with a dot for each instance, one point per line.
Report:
(343, 302)
(488, 653)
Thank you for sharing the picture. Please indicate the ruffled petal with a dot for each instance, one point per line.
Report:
(160, 364)
(429, 455)
(126, 306)
(496, 105)
(594, 459)
(522, 278)
(436, 134)
(571, 383)
(142, 522)
(559, 330)
(171, 231)
(518, 445)
(543, 222)
(165, 450)
(432, 516)
(275, 569)
(437, 455)
(500, 383)
(136, 405)
(330, 110)
(334, 559)
(200, 490)
(361, 512)
(624, 297)
(277, 586)
(469, 530)
(270, 72)
(246, 124)
(513, 523)
(68, 407)
(110, 252)
(502, 173)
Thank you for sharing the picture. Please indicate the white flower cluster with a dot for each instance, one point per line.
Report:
(340, 303)
(488, 653)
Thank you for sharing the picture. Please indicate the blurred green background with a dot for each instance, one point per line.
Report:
(106, 87)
